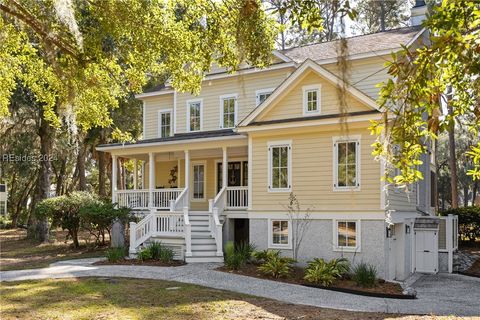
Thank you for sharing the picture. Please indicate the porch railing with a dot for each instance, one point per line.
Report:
(140, 199)
(237, 197)
(155, 224)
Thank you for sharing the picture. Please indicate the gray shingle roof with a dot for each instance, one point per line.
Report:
(391, 39)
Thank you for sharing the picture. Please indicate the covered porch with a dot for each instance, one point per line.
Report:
(193, 176)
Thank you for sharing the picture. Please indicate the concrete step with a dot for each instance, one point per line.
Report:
(203, 259)
(204, 247)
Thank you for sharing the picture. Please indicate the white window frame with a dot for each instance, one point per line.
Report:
(358, 236)
(204, 164)
(160, 113)
(270, 145)
(262, 91)
(3, 207)
(272, 245)
(188, 114)
(235, 110)
(335, 142)
(306, 89)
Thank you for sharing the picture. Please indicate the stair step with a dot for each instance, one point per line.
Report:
(202, 240)
(207, 253)
(203, 259)
(203, 247)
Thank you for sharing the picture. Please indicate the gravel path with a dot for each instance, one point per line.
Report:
(442, 294)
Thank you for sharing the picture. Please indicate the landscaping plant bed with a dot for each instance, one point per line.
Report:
(136, 262)
(382, 289)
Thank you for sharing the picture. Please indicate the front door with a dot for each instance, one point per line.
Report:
(234, 174)
(426, 251)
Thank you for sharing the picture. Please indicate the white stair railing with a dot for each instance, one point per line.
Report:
(155, 224)
(216, 208)
(180, 202)
(188, 233)
(237, 197)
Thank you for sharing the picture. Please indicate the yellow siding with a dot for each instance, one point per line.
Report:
(365, 74)
(291, 104)
(162, 173)
(152, 105)
(312, 172)
(243, 85)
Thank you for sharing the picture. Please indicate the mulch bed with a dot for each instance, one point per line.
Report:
(381, 289)
(474, 270)
(135, 262)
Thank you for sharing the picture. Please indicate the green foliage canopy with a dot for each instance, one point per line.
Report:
(415, 102)
(80, 57)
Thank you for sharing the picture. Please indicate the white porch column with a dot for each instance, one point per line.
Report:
(250, 175)
(114, 178)
(187, 177)
(178, 173)
(135, 174)
(143, 175)
(151, 178)
(224, 168)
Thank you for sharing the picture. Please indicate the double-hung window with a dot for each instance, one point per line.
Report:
(164, 123)
(347, 235)
(346, 164)
(3, 208)
(280, 169)
(279, 234)
(199, 181)
(194, 109)
(228, 108)
(311, 99)
(262, 95)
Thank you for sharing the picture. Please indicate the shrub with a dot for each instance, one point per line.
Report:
(115, 254)
(468, 222)
(5, 223)
(276, 266)
(144, 254)
(245, 250)
(364, 274)
(233, 259)
(64, 211)
(320, 272)
(155, 249)
(166, 255)
(265, 255)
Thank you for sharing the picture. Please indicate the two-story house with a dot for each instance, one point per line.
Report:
(221, 165)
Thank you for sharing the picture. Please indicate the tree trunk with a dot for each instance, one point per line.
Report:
(465, 196)
(382, 16)
(81, 158)
(102, 190)
(61, 177)
(452, 159)
(38, 228)
(474, 192)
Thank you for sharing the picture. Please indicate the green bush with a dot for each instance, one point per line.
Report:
(144, 254)
(156, 251)
(277, 266)
(468, 222)
(233, 259)
(166, 255)
(325, 273)
(115, 254)
(265, 255)
(245, 250)
(64, 211)
(364, 274)
(5, 222)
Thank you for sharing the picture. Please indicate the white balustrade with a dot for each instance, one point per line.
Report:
(237, 197)
(139, 199)
(162, 197)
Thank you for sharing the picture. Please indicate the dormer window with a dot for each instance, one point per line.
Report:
(262, 95)
(228, 111)
(311, 99)
(164, 123)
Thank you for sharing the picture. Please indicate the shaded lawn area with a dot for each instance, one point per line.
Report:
(120, 298)
(17, 252)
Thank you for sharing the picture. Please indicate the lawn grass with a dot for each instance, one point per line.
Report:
(114, 298)
(18, 252)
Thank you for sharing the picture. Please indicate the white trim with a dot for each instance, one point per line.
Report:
(175, 112)
(262, 91)
(192, 179)
(309, 123)
(248, 71)
(250, 175)
(188, 102)
(283, 89)
(409, 43)
(154, 93)
(305, 90)
(358, 236)
(164, 143)
(281, 56)
(235, 115)
(270, 235)
(344, 139)
(143, 120)
(270, 145)
(159, 122)
(377, 215)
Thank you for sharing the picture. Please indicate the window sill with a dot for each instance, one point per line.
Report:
(279, 190)
(346, 249)
(341, 189)
(279, 246)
